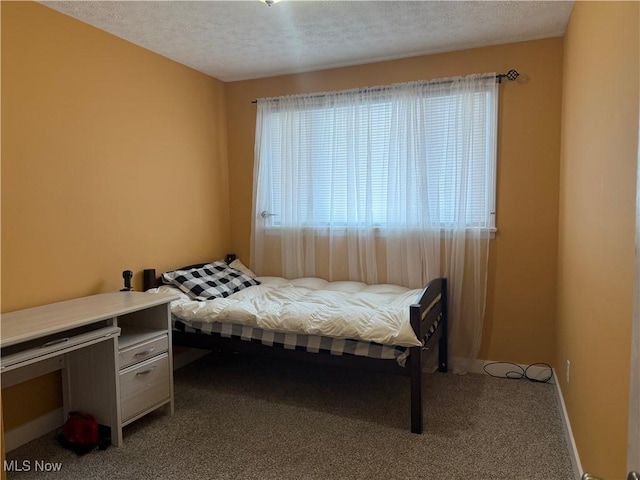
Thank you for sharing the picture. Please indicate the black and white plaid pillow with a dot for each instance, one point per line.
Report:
(213, 280)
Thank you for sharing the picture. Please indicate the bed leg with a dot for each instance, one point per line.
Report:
(442, 354)
(416, 391)
(416, 403)
(443, 342)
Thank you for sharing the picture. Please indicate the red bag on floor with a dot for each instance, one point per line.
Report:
(80, 433)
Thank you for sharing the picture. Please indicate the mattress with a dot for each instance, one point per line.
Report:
(308, 314)
(312, 306)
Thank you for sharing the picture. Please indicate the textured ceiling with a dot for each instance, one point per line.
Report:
(237, 40)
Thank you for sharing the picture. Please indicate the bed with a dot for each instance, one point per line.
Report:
(288, 319)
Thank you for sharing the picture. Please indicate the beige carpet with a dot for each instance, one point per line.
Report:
(250, 418)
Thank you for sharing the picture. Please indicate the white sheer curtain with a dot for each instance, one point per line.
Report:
(384, 185)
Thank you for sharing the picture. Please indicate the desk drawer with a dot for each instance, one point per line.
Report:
(144, 385)
(143, 351)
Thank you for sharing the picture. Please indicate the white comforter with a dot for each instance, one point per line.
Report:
(312, 306)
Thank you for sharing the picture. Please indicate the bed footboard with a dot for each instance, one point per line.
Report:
(429, 321)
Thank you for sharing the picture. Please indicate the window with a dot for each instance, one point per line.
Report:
(421, 156)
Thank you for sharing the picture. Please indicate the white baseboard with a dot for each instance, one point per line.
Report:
(499, 369)
(536, 372)
(33, 429)
(571, 441)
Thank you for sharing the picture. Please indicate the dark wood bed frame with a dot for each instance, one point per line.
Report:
(421, 318)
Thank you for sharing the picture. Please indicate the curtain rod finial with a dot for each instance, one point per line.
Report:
(512, 74)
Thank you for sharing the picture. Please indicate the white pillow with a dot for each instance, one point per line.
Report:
(238, 265)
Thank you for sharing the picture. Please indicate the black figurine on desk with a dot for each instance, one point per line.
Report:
(127, 275)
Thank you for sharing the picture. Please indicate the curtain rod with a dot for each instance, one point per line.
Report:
(511, 75)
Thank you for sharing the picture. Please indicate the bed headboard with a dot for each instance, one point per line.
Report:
(150, 280)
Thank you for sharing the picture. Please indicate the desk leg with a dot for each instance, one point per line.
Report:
(93, 386)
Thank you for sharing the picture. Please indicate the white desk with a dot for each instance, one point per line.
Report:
(114, 350)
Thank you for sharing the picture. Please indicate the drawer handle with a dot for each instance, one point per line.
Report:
(146, 352)
(146, 372)
(55, 342)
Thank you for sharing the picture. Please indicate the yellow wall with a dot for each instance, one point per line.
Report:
(597, 227)
(28, 400)
(519, 324)
(113, 158)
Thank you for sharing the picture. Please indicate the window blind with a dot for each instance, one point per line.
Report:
(409, 160)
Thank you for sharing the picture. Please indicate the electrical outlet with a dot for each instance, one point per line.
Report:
(568, 371)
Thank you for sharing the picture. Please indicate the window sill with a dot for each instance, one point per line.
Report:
(377, 231)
